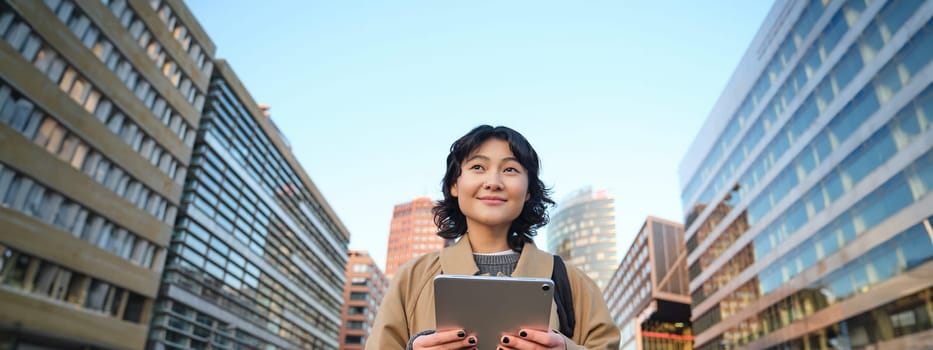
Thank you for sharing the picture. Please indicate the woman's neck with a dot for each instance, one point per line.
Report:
(484, 240)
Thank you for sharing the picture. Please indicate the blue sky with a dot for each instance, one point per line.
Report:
(372, 94)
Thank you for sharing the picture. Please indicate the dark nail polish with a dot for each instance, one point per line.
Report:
(523, 334)
(505, 340)
(472, 340)
(461, 334)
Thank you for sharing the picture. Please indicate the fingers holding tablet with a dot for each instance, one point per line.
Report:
(531, 339)
(449, 339)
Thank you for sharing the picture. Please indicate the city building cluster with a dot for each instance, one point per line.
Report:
(147, 201)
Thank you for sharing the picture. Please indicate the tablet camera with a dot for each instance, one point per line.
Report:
(545, 287)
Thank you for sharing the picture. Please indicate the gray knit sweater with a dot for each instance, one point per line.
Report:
(494, 264)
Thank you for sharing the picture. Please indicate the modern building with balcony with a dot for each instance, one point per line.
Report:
(99, 105)
(129, 160)
(807, 191)
(648, 294)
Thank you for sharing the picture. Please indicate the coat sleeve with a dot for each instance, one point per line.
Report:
(595, 328)
(390, 329)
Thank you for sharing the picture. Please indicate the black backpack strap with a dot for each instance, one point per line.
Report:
(563, 297)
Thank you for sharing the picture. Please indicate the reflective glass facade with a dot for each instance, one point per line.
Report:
(257, 258)
(814, 195)
(583, 232)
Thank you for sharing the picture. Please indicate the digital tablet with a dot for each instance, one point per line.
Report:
(489, 306)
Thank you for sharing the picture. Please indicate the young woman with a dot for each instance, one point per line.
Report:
(493, 202)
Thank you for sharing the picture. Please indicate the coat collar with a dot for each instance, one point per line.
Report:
(458, 260)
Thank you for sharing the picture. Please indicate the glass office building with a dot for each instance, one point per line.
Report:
(807, 192)
(99, 101)
(583, 232)
(257, 258)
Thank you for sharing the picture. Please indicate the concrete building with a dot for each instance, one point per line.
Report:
(363, 292)
(648, 294)
(583, 232)
(115, 171)
(412, 233)
(807, 191)
(99, 103)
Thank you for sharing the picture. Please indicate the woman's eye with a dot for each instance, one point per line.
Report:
(476, 167)
(512, 170)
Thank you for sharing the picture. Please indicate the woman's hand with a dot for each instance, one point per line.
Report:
(452, 339)
(532, 339)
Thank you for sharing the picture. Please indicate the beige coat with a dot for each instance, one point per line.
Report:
(408, 306)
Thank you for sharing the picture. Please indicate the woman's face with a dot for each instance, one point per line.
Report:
(493, 186)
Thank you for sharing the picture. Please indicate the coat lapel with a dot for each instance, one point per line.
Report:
(458, 259)
(534, 263)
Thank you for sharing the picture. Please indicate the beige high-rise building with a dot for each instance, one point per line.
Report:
(363, 292)
(412, 233)
(583, 232)
(99, 102)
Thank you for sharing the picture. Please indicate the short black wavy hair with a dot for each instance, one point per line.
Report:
(450, 220)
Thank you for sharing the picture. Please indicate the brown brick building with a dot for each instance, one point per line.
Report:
(362, 295)
(412, 233)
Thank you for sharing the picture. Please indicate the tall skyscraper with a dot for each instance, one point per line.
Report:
(99, 102)
(363, 291)
(412, 233)
(583, 233)
(648, 294)
(807, 191)
(258, 257)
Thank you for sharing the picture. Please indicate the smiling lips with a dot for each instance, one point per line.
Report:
(492, 200)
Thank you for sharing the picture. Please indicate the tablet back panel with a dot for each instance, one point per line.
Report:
(489, 306)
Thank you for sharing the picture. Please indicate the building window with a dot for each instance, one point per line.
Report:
(353, 339)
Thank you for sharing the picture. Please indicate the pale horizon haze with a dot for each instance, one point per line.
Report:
(371, 95)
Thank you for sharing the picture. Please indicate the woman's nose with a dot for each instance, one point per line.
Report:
(492, 183)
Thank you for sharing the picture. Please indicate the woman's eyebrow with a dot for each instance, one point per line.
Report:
(485, 158)
(477, 156)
